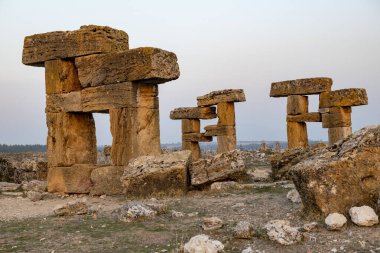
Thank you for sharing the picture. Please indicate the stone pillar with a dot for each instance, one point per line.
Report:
(338, 133)
(297, 134)
(136, 130)
(71, 136)
(190, 126)
(226, 117)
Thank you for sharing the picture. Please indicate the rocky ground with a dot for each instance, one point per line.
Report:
(118, 224)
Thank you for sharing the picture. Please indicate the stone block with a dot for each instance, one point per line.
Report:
(226, 114)
(226, 143)
(61, 76)
(338, 133)
(306, 86)
(337, 117)
(191, 126)
(74, 179)
(217, 130)
(196, 137)
(71, 139)
(65, 102)
(106, 180)
(344, 97)
(193, 113)
(163, 175)
(221, 96)
(145, 64)
(90, 39)
(305, 117)
(297, 134)
(297, 104)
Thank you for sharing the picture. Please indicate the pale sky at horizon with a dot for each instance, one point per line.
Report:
(219, 44)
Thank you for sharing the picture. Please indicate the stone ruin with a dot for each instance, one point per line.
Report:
(334, 108)
(92, 70)
(225, 128)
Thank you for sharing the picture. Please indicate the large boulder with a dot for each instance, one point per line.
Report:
(224, 166)
(165, 175)
(343, 175)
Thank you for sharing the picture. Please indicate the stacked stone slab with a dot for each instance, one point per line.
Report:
(224, 130)
(92, 70)
(334, 108)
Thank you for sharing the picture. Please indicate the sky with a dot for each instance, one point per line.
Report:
(220, 44)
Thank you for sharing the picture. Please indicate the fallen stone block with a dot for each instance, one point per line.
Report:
(193, 113)
(87, 40)
(363, 216)
(224, 166)
(145, 64)
(341, 176)
(203, 243)
(78, 207)
(305, 117)
(224, 186)
(166, 175)
(308, 86)
(297, 104)
(343, 97)
(106, 180)
(221, 96)
(74, 179)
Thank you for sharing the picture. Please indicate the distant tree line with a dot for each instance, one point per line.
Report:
(4, 148)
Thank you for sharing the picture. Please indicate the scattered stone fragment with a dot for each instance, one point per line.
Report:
(363, 216)
(203, 244)
(294, 196)
(335, 221)
(224, 186)
(248, 250)
(280, 231)
(77, 207)
(309, 226)
(9, 187)
(212, 223)
(243, 230)
(135, 210)
(158, 206)
(260, 175)
(176, 214)
(337, 177)
(34, 195)
(35, 185)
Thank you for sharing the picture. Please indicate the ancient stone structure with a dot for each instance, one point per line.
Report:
(224, 130)
(92, 70)
(334, 108)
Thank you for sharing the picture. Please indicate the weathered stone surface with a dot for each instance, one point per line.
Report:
(221, 96)
(335, 221)
(305, 117)
(212, 223)
(66, 102)
(106, 180)
(351, 166)
(226, 114)
(337, 117)
(294, 196)
(338, 133)
(35, 185)
(297, 134)
(134, 211)
(226, 143)
(344, 97)
(280, 231)
(297, 104)
(71, 139)
(193, 113)
(191, 126)
(6, 187)
(157, 175)
(197, 137)
(363, 216)
(217, 130)
(77, 207)
(74, 179)
(223, 166)
(307, 86)
(61, 76)
(203, 243)
(243, 230)
(135, 132)
(87, 40)
(146, 64)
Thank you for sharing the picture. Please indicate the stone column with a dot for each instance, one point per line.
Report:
(226, 117)
(297, 131)
(191, 126)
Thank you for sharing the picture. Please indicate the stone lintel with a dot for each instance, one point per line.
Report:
(343, 97)
(221, 96)
(308, 86)
(193, 113)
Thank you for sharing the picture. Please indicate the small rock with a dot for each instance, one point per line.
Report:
(224, 186)
(9, 187)
(135, 210)
(248, 250)
(35, 185)
(192, 214)
(72, 208)
(203, 244)
(335, 221)
(212, 223)
(309, 226)
(294, 196)
(176, 214)
(243, 230)
(238, 205)
(280, 231)
(363, 216)
(34, 196)
(159, 207)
